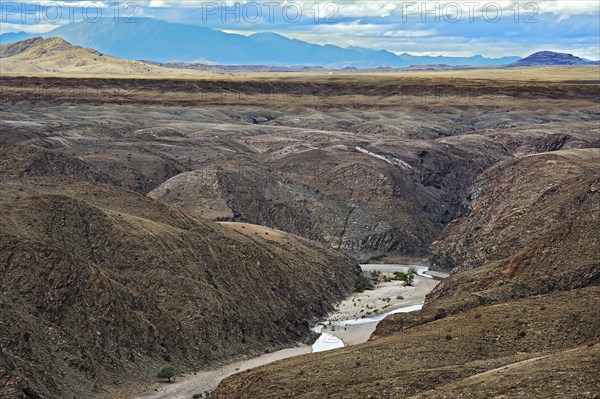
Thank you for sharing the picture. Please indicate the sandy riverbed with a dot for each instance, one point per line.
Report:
(358, 307)
(385, 297)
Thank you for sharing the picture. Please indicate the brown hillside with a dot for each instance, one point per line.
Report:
(55, 55)
(102, 286)
(24, 161)
(368, 163)
(533, 225)
(533, 194)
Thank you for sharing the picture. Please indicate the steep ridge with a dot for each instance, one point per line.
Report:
(333, 208)
(537, 194)
(391, 197)
(525, 233)
(103, 286)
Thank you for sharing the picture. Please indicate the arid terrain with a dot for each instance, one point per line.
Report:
(55, 55)
(522, 322)
(367, 164)
(195, 219)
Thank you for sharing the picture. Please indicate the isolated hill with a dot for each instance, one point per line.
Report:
(486, 332)
(160, 41)
(102, 286)
(549, 58)
(38, 55)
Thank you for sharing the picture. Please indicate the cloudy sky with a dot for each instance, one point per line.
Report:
(454, 28)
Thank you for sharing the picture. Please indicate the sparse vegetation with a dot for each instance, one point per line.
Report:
(375, 275)
(377, 257)
(167, 372)
(363, 282)
(407, 277)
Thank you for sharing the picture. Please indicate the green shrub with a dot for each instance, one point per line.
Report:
(363, 283)
(167, 372)
(407, 277)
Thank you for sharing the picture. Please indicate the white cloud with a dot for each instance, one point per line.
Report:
(37, 28)
(358, 8)
(376, 24)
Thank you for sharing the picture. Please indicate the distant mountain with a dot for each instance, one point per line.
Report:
(161, 41)
(56, 55)
(12, 37)
(549, 58)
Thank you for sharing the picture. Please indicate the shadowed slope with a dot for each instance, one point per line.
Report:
(102, 286)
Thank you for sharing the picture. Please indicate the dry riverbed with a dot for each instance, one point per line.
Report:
(357, 316)
(352, 323)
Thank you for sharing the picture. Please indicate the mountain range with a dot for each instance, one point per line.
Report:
(55, 55)
(160, 41)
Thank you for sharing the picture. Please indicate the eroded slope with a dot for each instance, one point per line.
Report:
(102, 286)
(369, 164)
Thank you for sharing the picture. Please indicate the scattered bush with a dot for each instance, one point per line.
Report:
(363, 283)
(378, 257)
(375, 275)
(407, 277)
(167, 372)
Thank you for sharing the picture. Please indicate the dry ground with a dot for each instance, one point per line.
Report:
(367, 164)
